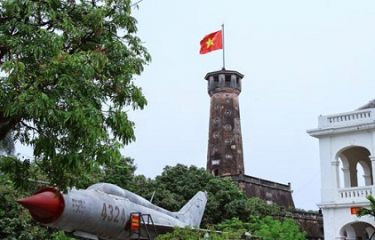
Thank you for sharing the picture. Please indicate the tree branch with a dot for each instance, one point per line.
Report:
(28, 126)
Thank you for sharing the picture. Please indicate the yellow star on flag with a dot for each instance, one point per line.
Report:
(209, 43)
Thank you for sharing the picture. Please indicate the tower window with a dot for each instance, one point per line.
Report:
(215, 162)
(227, 127)
(215, 135)
(214, 150)
(228, 156)
(227, 82)
(216, 172)
(228, 141)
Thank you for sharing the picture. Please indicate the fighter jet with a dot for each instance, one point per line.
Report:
(106, 211)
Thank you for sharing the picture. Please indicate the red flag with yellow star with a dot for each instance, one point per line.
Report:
(211, 42)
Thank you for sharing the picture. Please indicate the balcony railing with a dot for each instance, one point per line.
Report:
(355, 193)
(347, 119)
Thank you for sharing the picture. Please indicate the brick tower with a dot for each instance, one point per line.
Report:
(224, 156)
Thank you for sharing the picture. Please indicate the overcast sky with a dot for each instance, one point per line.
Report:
(300, 59)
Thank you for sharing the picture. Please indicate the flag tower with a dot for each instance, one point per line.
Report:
(225, 155)
(225, 150)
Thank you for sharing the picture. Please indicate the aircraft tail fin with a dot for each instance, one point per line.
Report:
(192, 212)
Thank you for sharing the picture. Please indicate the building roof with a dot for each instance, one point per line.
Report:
(370, 104)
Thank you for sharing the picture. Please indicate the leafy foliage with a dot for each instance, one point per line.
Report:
(262, 228)
(265, 228)
(189, 234)
(180, 234)
(69, 68)
(17, 170)
(368, 211)
(268, 228)
(177, 184)
(120, 173)
(15, 223)
(226, 205)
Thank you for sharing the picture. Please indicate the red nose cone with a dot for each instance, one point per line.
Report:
(45, 206)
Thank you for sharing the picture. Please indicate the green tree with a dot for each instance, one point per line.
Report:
(368, 211)
(120, 173)
(68, 79)
(243, 208)
(264, 227)
(233, 224)
(268, 228)
(222, 196)
(15, 223)
(177, 184)
(191, 234)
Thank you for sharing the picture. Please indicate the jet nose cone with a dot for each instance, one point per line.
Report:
(45, 206)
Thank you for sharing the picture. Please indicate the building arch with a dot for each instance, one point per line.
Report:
(352, 161)
(358, 230)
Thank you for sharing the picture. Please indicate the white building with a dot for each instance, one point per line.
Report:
(347, 162)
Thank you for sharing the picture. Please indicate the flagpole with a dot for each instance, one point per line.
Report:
(222, 29)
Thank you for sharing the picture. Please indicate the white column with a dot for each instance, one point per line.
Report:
(368, 179)
(334, 179)
(372, 158)
(346, 175)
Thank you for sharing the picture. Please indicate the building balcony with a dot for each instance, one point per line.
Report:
(347, 119)
(354, 194)
(349, 197)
